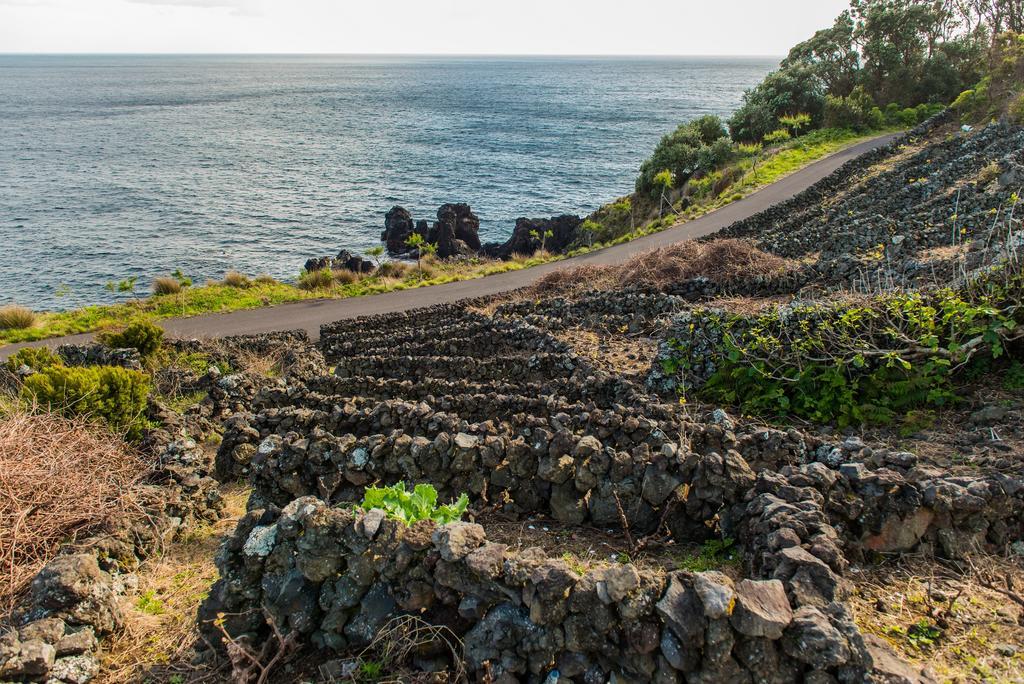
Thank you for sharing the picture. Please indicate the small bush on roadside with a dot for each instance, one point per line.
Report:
(14, 317)
(143, 336)
(316, 280)
(344, 276)
(411, 507)
(36, 358)
(166, 285)
(236, 279)
(115, 395)
(265, 279)
(393, 269)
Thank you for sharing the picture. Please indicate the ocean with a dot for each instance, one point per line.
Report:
(121, 166)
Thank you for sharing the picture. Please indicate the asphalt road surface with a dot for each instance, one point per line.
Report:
(310, 314)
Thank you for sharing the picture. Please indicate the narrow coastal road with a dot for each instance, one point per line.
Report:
(309, 315)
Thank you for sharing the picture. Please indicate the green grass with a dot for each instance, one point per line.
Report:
(220, 298)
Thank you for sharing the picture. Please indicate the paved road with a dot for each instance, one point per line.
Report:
(310, 314)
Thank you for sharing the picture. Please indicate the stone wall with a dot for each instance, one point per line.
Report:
(336, 577)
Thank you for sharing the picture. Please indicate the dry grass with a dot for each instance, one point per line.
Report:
(160, 616)
(14, 317)
(59, 479)
(265, 279)
(344, 276)
(627, 355)
(973, 623)
(166, 285)
(721, 261)
(393, 269)
(236, 279)
(316, 280)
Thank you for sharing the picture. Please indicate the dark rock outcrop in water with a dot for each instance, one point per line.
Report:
(564, 229)
(344, 259)
(398, 227)
(456, 231)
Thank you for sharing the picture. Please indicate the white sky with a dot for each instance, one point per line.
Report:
(589, 27)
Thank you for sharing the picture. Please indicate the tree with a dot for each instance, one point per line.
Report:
(542, 237)
(794, 89)
(376, 253)
(831, 56)
(700, 145)
(422, 247)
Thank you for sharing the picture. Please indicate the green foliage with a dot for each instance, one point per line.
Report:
(316, 280)
(115, 395)
(36, 358)
(923, 634)
(1013, 378)
(780, 135)
(856, 111)
(149, 604)
(144, 336)
(698, 146)
(713, 555)
(126, 285)
(795, 123)
(792, 90)
(411, 507)
(851, 364)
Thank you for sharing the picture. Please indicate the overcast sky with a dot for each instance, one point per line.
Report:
(624, 27)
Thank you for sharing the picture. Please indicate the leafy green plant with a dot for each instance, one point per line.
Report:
(115, 395)
(149, 604)
(923, 634)
(36, 358)
(411, 507)
(851, 364)
(126, 285)
(144, 336)
(712, 555)
(1013, 378)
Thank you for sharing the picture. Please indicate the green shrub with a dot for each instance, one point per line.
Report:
(1016, 110)
(14, 317)
(698, 146)
(856, 111)
(850, 364)
(115, 395)
(316, 280)
(780, 135)
(411, 507)
(36, 358)
(143, 336)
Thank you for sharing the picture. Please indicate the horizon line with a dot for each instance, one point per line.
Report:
(41, 53)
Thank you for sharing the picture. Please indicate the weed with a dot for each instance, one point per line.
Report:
(149, 604)
(574, 563)
(713, 555)
(923, 634)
